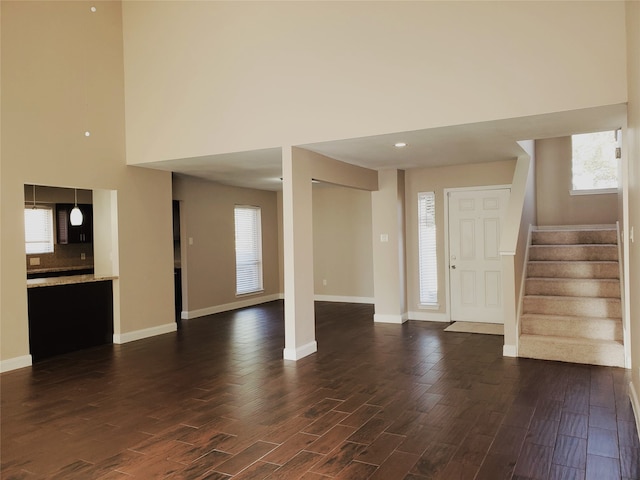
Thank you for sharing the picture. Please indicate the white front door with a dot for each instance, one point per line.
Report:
(475, 266)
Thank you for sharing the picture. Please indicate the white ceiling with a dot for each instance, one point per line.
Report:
(458, 144)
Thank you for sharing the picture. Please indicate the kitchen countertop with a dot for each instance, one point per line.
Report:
(66, 280)
(58, 269)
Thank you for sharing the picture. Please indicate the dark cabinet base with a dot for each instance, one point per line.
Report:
(66, 318)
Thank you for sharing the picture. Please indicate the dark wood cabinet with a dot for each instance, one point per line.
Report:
(66, 318)
(67, 233)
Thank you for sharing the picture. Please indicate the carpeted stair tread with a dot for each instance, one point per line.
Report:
(573, 306)
(572, 326)
(575, 350)
(574, 269)
(573, 287)
(574, 237)
(573, 252)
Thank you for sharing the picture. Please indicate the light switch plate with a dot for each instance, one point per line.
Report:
(384, 237)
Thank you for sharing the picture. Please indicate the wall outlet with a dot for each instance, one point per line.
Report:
(34, 261)
(324, 282)
(83, 256)
(190, 240)
(384, 237)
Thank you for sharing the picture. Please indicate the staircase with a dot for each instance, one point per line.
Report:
(571, 308)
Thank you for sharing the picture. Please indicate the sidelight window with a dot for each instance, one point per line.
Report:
(248, 250)
(428, 264)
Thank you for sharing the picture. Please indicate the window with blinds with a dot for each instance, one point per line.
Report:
(428, 264)
(38, 230)
(248, 250)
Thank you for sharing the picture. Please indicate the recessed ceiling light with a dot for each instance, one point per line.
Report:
(399, 144)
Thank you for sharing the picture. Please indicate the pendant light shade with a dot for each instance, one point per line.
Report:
(76, 215)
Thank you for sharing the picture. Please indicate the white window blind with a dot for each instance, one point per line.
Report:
(38, 230)
(428, 268)
(248, 250)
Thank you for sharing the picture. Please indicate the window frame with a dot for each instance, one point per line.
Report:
(597, 191)
(50, 243)
(427, 255)
(256, 260)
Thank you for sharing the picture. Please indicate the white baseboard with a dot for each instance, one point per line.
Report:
(248, 302)
(144, 333)
(300, 352)
(389, 318)
(429, 316)
(341, 298)
(15, 363)
(509, 351)
(634, 395)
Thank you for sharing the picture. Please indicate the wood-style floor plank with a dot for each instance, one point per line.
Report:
(215, 400)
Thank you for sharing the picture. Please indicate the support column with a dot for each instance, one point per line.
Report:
(389, 258)
(299, 316)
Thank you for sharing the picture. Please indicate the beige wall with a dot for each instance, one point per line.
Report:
(389, 247)
(212, 77)
(553, 182)
(436, 180)
(207, 213)
(342, 250)
(48, 50)
(633, 152)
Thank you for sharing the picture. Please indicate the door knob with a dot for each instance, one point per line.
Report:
(453, 267)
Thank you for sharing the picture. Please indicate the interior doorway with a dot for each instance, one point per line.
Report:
(475, 268)
(177, 265)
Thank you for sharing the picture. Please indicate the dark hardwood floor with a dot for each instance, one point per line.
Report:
(217, 401)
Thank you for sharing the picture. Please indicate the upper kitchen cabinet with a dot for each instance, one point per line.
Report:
(66, 232)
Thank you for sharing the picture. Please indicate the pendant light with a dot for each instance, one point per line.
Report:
(76, 215)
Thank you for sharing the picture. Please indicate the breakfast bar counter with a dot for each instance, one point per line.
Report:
(65, 280)
(69, 313)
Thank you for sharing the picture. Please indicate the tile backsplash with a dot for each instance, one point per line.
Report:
(63, 256)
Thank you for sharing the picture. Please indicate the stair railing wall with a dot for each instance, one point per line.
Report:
(626, 334)
(513, 245)
(523, 280)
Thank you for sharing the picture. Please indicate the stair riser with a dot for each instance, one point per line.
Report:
(574, 237)
(573, 270)
(577, 307)
(573, 288)
(596, 329)
(538, 347)
(573, 253)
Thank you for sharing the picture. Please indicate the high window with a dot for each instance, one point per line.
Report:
(594, 167)
(428, 264)
(38, 229)
(248, 250)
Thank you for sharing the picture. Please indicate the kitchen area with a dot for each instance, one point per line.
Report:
(69, 290)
